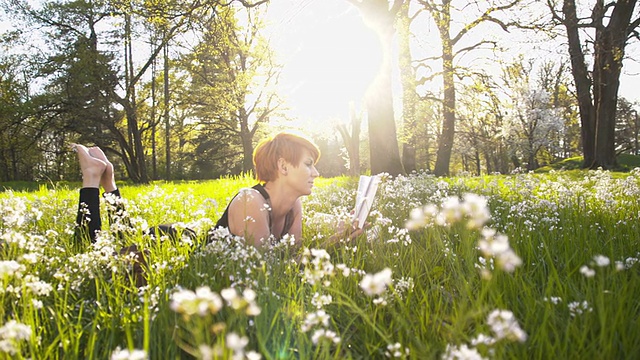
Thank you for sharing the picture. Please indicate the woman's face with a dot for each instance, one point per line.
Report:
(301, 176)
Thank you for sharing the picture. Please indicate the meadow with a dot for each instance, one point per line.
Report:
(524, 266)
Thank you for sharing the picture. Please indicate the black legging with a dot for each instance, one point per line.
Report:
(88, 220)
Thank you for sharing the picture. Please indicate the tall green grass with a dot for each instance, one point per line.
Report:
(428, 292)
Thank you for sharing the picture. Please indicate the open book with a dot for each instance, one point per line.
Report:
(367, 188)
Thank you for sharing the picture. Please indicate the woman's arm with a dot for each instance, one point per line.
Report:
(296, 227)
(249, 217)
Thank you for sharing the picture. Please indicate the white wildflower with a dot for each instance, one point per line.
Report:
(346, 271)
(37, 304)
(553, 299)
(578, 308)
(380, 301)
(11, 268)
(319, 317)
(236, 343)
(601, 260)
(505, 326)
(322, 334)
(476, 209)
(377, 283)
(11, 334)
(587, 271)
(318, 266)
(461, 353)
(396, 351)
(245, 302)
(202, 302)
(319, 301)
(492, 244)
(508, 260)
(483, 339)
(125, 354)
(207, 352)
(37, 286)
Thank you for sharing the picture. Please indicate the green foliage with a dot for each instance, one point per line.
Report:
(626, 162)
(424, 293)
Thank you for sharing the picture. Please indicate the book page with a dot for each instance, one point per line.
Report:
(367, 187)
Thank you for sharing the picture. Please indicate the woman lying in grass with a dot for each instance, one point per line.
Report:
(285, 170)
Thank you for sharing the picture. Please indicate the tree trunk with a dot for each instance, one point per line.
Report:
(154, 155)
(597, 114)
(247, 142)
(383, 140)
(167, 124)
(409, 95)
(136, 169)
(352, 142)
(132, 118)
(445, 143)
(582, 82)
(609, 52)
(354, 155)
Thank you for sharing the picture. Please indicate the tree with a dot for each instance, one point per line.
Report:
(607, 31)
(233, 72)
(531, 124)
(15, 128)
(383, 141)
(481, 115)
(554, 77)
(91, 65)
(29, 137)
(532, 121)
(442, 13)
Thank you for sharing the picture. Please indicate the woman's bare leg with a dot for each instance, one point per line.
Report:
(92, 168)
(107, 180)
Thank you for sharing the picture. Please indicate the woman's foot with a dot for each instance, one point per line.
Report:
(107, 180)
(92, 168)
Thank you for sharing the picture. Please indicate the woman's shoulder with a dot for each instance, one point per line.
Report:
(249, 195)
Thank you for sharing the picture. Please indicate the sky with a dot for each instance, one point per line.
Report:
(331, 56)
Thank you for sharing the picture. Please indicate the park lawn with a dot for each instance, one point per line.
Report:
(529, 266)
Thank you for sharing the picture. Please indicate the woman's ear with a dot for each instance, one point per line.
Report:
(282, 166)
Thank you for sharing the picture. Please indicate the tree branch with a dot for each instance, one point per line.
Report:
(554, 13)
(631, 29)
(486, 16)
(245, 3)
(430, 96)
(475, 46)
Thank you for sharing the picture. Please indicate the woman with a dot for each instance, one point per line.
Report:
(285, 170)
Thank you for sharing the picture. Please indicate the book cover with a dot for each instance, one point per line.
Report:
(367, 188)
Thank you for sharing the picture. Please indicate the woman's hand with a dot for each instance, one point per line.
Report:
(347, 231)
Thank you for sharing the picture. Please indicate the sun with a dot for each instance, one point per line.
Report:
(330, 58)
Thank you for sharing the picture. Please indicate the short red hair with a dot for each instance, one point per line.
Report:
(283, 145)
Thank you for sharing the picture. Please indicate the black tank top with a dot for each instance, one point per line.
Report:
(288, 219)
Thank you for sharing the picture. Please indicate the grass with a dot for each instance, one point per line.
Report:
(573, 294)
